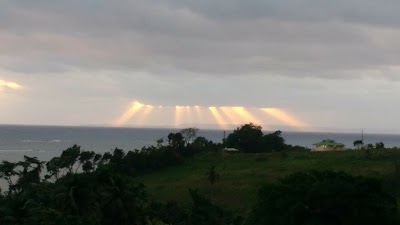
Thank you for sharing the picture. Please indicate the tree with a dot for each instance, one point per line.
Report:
(358, 144)
(176, 141)
(370, 146)
(117, 156)
(106, 158)
(160, 142)
(7, 172)
(199, 144)
(273, 142)
(53, 168)
(379, 145)
(69, 157)
(30, 173)
(85, 159)
(247, 138)
(324, 197)
(189, 134)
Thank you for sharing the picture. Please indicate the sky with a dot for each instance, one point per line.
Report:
(323, 65)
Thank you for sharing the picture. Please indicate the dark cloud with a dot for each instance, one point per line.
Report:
(295, 38)
(354, 11)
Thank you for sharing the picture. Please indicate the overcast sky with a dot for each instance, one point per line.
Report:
(330, 64)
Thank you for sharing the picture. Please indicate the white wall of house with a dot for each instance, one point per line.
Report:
(327, 148)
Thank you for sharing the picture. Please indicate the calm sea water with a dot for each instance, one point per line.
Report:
(46, 142)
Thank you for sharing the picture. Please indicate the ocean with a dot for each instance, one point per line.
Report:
(46, 142)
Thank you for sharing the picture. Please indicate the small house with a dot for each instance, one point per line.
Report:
(230, 150)
(328, 145)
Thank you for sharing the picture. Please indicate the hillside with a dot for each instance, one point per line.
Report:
(241, 175)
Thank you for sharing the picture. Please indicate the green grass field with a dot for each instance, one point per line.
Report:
(241, 175)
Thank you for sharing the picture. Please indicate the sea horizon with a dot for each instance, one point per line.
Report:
(216, 127)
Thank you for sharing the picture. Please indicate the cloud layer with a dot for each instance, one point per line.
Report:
(338, 39)
(329, 62)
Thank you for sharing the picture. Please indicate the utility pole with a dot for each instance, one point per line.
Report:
(362, 138)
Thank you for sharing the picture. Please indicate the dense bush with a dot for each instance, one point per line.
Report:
(324, 198)
(247, 138)
(100, 197)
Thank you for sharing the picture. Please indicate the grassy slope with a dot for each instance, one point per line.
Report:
(242, 174)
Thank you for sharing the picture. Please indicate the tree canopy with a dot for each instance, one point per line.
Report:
(250, 138)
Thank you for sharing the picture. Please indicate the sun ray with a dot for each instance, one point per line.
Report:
(144, 114)
(8, 84)
(284, 117)
(186, 116)
(231, 115)
(247, 116)
(199, 116)
(133, 109)
(192, 115)
(179, 113)
(218, 118)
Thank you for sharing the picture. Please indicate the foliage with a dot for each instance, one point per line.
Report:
(324, 198)
(89, 198)
(101, 195)
(189, 134)
(82, 187)
(53, 168)
(29, 174)
(69, 157)
(176, 141)
(296, 148)
(379, 145)
(249, 138)
(204, 212)
(7, 172)
(358, 144)
(201, 144)
(273, 141)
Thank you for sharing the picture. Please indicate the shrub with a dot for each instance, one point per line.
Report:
(324, 198)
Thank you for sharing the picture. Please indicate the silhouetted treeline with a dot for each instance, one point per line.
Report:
(156, 157)
(82, 187)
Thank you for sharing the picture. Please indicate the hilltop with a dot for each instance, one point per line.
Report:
(241, 175)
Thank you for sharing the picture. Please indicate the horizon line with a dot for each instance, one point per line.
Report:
(333, 130)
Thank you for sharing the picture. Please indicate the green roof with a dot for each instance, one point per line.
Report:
(329, 142)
